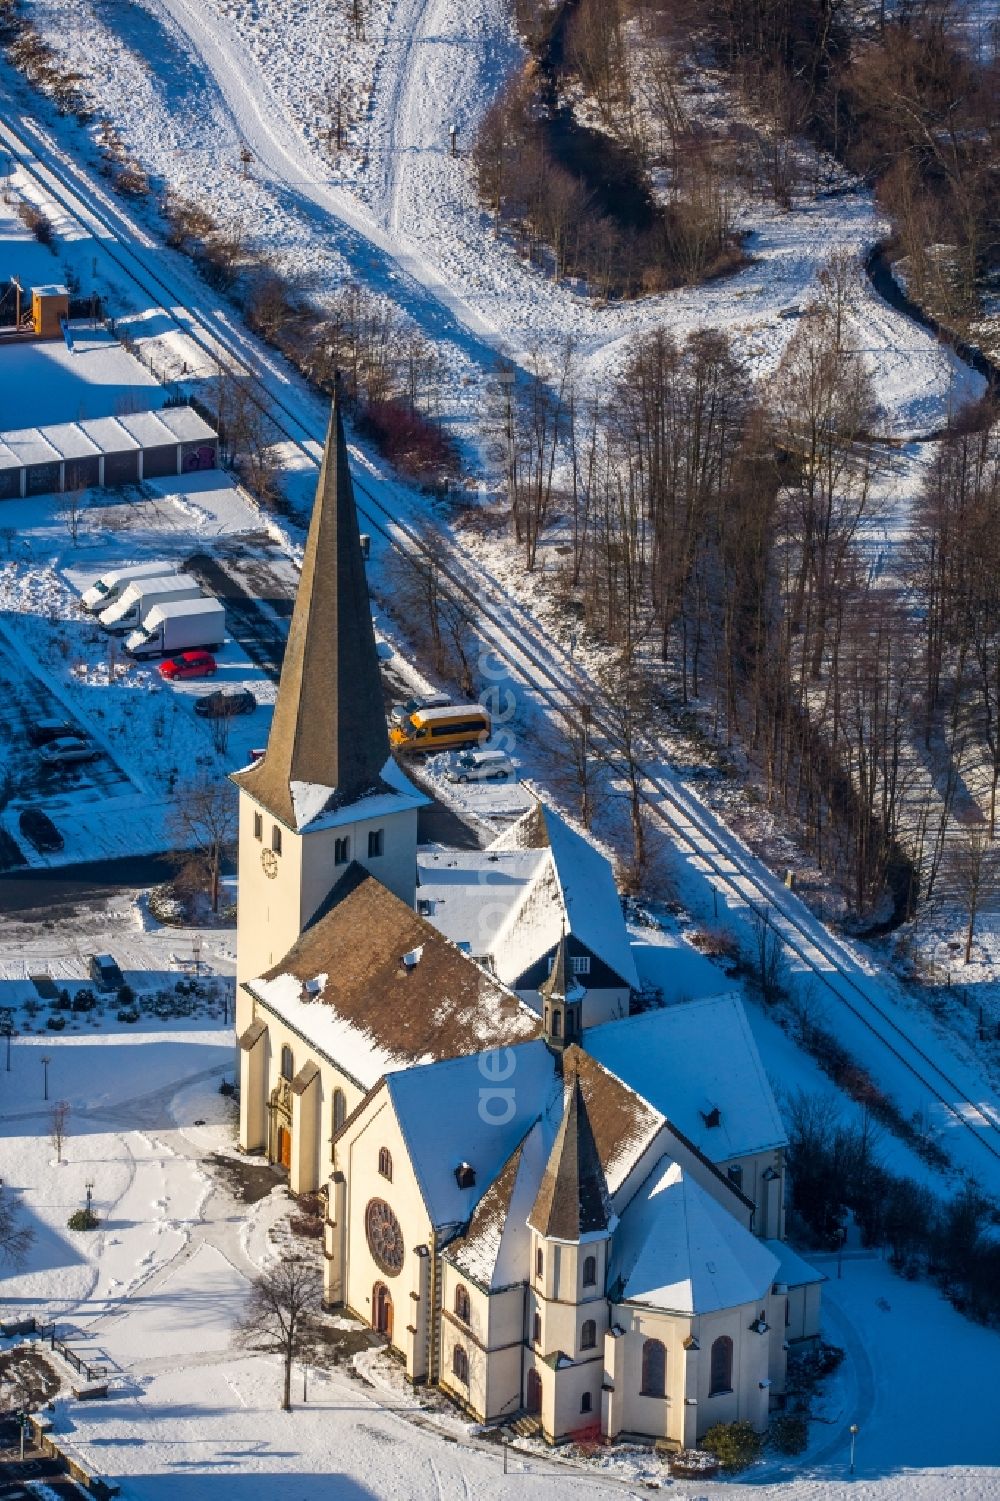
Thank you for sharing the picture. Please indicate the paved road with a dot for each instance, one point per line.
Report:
(49, 892)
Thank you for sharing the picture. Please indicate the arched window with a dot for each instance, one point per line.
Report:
(536, 1329)
(590, 1271)
(539, 1262)
(556, 1024)
(460, 1364)
(462, 1303)
(588, 1334)
(339, 1109)
(586, 1403)
(287, 1063)
(385, 1163)
(654, 1368)
(721, 1373)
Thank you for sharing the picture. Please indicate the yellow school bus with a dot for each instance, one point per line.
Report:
(441, 729)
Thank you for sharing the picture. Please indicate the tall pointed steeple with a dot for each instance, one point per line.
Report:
(572, 1199)
(328, 742)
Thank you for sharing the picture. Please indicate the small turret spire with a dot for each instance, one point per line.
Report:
(562, 1002)
(572, 1199)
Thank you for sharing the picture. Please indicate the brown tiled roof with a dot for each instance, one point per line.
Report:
(623, 1123)
(572, 1198)
(442, 1006)
(329, 721)
(475, 1251)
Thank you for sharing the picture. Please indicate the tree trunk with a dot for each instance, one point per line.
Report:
(286, 1395)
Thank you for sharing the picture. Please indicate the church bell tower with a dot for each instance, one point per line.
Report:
(326, 793)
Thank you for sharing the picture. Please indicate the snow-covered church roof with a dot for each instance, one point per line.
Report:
(514, 900)
(677, 1249)
(698, 1064)
(351, 986)
(470, 1111)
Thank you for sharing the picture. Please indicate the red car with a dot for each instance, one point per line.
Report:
(190, 664)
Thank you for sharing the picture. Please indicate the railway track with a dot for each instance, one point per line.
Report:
(503, 624)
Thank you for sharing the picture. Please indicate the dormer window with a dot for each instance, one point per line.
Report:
(712, 1116)
(341, 850)
(465, 1175)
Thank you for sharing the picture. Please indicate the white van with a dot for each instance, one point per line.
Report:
(481, 766)
(110, 587)
(142, 595)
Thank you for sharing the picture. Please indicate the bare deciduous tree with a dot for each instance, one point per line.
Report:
(974, 866)
(203, 818)
(59, 1126)
(281, 1314)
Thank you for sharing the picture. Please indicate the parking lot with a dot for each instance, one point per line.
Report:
(25, 699)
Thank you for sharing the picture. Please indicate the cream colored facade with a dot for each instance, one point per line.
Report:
(761, 1176)
(274, 909)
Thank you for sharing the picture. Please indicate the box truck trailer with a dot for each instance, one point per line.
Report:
(110, 587)
(179, 625)
(140, 597)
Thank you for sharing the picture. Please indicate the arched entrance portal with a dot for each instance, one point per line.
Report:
(534, 1393)
(382, 1310)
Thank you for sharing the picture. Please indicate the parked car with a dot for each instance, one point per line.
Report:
(104, 972)
(190, 664)
(225, 701)
(402, 712)
(64, 752)
(39, 830)
(480, 766)
(44, 731)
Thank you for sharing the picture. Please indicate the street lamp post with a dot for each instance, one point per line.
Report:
(854, 1433)
(89, 1186)
(46, 1060)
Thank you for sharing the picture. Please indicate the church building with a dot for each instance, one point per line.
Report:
(550, 1207)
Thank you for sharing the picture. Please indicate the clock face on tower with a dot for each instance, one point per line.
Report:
(269, 861)
(385, 1239)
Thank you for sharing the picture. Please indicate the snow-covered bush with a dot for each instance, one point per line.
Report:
(735, 1445)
